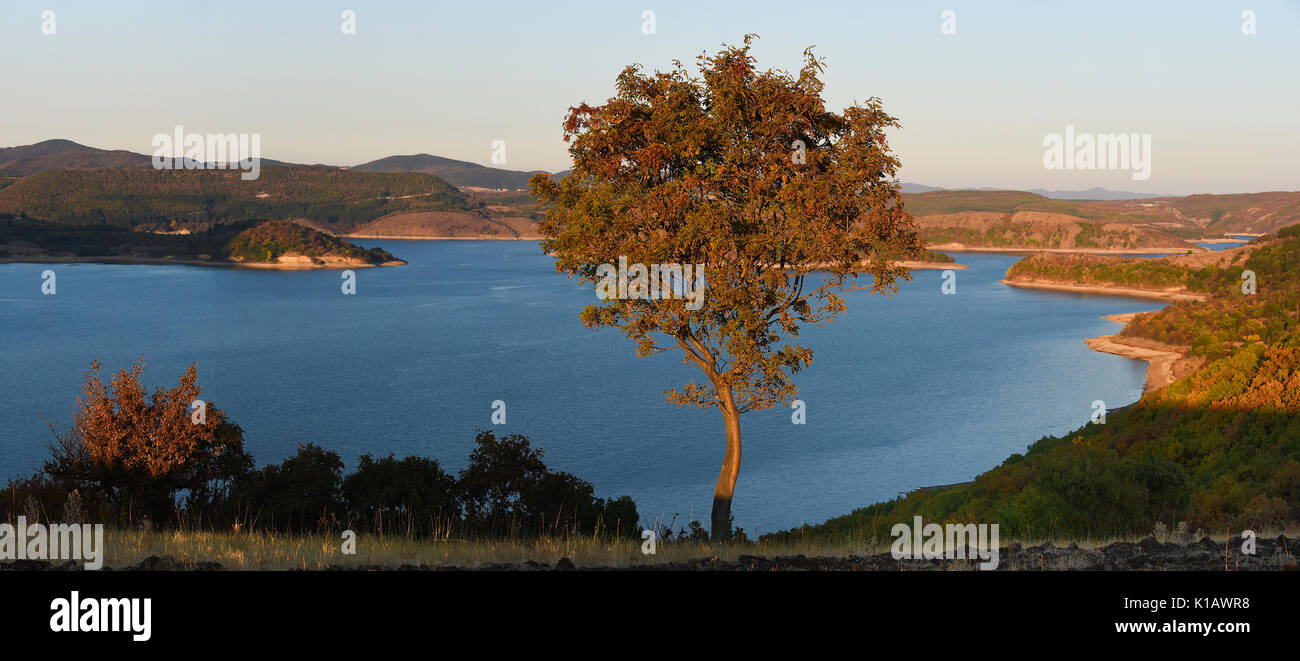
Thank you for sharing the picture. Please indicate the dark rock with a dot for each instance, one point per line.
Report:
(27, 565)
(155, 563)
(168, 563)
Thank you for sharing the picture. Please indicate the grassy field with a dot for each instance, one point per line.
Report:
(259, 551)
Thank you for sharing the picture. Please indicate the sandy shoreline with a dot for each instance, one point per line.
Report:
(960, 247)
(933, 266)
(1165, 363)
(1108, 290)
(1160, 363)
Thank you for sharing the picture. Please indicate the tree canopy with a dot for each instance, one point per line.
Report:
(745, 172)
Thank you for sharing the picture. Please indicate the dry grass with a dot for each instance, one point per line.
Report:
(260, 551)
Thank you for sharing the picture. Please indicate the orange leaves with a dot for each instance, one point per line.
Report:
(744, 171)
(155, 435)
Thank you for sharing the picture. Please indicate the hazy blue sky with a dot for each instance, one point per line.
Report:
(448, 78)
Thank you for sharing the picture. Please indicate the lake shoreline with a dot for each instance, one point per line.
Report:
(961, 247)
(163, 261)
(1108, 290)
(933, 266)
(1160, 364)
(1165, 363)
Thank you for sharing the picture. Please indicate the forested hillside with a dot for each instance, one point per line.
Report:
(65, 155)
(1218, 450)
(1189, 217)
(267, 242)
(199, 199)
(1035, 230)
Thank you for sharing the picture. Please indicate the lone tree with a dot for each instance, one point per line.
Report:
(747, 173)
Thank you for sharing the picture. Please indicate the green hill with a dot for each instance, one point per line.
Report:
(1037, 230)
(457, 173)
(199, 199)
(1193, 216)
(65, 155)
(1217, 450)
(267, 242)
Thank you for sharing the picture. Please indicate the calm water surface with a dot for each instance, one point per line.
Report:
(919, 390)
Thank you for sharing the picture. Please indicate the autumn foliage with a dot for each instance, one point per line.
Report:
(745, 171)
(136, 456)
(143, 449)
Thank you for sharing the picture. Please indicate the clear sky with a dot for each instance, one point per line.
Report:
(449, 78)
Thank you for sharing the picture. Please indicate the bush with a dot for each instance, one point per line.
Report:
(507, 489)
(300, 494)
(142, 452)
(414, 492)
(132, 455)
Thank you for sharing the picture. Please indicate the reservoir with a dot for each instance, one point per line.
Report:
(918, 390)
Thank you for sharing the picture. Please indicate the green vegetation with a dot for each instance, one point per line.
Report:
(132, 457)
(459, 173)
(1228, 322)
(201, 199)
(268, 241)
(1005, 201)
(1003, 235)
(247, 241)
(1134, 272)
(1190, 217)
(1233, 319)
(1006, 232)
(1218, 449)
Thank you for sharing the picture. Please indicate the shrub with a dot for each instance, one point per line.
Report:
(145, 452)
(507, 488)
(414, 491)
(299, 495)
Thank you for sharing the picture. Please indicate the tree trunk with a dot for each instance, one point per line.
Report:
(726, 488)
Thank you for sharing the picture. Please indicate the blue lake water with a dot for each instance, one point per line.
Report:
(1223, 246)
(918, 390)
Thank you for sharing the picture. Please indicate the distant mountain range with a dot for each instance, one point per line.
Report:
(1089, 194)
(27, 160)
(426, 195)
(456, 173)
(64, 155)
